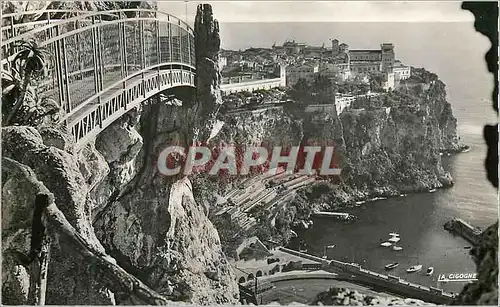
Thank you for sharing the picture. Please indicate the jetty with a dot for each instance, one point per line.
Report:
(334, 215)
(464, 229)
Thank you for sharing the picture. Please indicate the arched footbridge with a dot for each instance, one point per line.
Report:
(103, 64)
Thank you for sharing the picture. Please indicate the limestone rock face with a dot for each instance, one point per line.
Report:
(119, 145)
(59, 172)
(156, 229)
(163, 235)
(56, 138)
(485, 290)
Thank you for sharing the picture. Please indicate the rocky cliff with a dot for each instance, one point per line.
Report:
(386, 146)
(113, 195)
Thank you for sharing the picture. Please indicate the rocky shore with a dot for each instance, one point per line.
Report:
(347, 297)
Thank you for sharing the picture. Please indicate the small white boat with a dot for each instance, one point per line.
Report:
(394, 234)
(331, 246)
(394, 240)
(432, 190)
(386, 244)
(325, 257)
(397, 248)
(414, 268)
(430, 271)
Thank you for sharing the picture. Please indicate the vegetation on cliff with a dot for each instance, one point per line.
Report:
(22, 104)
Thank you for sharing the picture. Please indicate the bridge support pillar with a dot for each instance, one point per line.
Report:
(59, 73)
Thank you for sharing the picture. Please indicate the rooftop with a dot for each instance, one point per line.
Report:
(365, 50)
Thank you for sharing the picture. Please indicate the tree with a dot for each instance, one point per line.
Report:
(376, 82)
(301, 91)
(21, 104)
(325, 89)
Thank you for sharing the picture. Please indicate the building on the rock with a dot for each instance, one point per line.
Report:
(251, 248)
(344, 71)
(313, 52)
(291, 47)
(301, 71)
(343, 101)
(363, 61)
(222, 62)
(390, 81)
(335, 47)
(388, 56)
(329, 70)
(401, 71)
(364, 67)
(343, 48)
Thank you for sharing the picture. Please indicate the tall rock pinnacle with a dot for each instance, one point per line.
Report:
(208, 77)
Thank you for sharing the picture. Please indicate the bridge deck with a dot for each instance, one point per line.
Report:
(84, 86)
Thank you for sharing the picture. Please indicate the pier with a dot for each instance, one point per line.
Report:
(464, 229)
(334, 215)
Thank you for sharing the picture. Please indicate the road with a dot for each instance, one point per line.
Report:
(304, 291)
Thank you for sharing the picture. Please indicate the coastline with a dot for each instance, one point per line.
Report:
(379, 193)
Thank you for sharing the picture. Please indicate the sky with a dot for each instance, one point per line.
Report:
(439, 36)
(323, 11)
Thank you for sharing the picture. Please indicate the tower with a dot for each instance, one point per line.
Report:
(335, 47)
(283, 74)
(343, 48)
(388, 56)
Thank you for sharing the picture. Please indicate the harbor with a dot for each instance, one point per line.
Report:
(417, 218)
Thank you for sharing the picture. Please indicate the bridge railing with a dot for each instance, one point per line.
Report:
(91, 51)
(100, 115)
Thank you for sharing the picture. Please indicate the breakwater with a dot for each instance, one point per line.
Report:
(463, 229)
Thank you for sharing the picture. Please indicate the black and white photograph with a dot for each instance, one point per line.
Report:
(240, 152)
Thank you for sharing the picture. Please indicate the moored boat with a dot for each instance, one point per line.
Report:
(394, 240)
(394, 234)
(386, 244)
(397, 248)
(391, 266)
(414, 268)
(430, 271)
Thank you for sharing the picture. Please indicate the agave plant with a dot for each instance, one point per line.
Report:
(39, 109)
(29, 63)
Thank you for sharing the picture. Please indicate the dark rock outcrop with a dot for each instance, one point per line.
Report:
(485, 254)
(70, 279)
(208, 77)
(348, 297)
